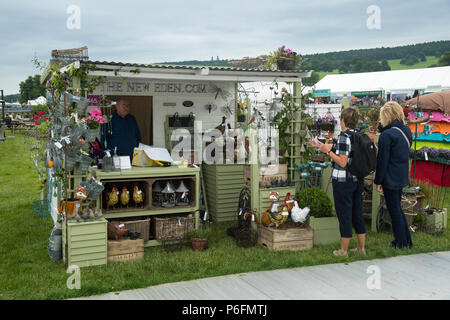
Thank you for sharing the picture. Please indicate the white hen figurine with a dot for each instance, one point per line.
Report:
(298, 214)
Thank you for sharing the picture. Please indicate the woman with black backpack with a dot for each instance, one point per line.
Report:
(347, 188)
(392, 173)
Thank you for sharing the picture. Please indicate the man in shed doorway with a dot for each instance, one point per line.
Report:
(122, 131)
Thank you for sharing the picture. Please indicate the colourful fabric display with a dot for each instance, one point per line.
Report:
(435, 116)
(439, 127)
(430, 172)
(430, 144)
(438, 137)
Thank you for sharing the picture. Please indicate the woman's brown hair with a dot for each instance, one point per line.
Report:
(350, 116)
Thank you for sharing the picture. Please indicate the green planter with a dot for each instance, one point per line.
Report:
(223, 183)
(436, 222)
(326, 230)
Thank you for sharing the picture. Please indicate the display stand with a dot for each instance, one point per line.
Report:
(147, 176)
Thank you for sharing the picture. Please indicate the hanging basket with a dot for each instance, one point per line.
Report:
(40, 209)
(284, 63)
(92, 134)
(93, 189)
(85, 162)
(327, 126)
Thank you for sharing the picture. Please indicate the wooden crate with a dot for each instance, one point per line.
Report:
(125, 250)
(294, 239)
(87, 242)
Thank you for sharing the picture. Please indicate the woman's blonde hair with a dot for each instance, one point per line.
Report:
(390, 112)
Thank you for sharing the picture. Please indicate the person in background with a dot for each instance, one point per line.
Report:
(392, 172)
(125, 134)
(345, 102)
(347, 189)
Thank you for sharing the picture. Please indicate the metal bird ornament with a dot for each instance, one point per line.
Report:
(224, 94)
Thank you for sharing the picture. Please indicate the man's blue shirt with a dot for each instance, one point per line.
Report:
(125, 135)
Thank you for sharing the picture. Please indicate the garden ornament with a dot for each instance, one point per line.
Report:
(138, 196)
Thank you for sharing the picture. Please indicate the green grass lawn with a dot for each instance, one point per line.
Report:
(26, 271)
(395, 64)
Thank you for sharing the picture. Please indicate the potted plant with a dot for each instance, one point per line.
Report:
(93, 121)
(283, 59)
(199, 238)
(322, 220)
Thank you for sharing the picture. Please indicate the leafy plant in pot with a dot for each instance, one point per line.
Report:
(283, 59)
(199, 238)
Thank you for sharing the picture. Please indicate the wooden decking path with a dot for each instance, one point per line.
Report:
(420, 276)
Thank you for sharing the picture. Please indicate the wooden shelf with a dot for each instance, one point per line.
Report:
(146, 177)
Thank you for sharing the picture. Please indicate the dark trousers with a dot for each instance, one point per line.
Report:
(400, 228)
(348, 205)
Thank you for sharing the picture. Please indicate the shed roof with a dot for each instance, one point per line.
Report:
(207, 73)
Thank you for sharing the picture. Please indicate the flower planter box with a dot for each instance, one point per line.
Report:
(436, 222)
(326, 230)
(125, 250)
(294, 239)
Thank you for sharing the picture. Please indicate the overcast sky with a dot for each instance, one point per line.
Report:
(175, 30)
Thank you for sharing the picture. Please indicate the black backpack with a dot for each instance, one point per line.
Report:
(363, 154)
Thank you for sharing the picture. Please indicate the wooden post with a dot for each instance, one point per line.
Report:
(254, 173)
(375, 196)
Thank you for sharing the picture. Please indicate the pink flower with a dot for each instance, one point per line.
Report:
(41, 113)
(46, 118)
(95, 112)
(36, 122)
(35, 117)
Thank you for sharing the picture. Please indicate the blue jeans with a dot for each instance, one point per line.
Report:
(348, 204)
(400, 227)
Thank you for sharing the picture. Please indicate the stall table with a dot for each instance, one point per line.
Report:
(146, 176)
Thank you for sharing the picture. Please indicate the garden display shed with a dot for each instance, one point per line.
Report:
(156, 93)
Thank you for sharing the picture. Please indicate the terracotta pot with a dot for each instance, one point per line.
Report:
(198, 244)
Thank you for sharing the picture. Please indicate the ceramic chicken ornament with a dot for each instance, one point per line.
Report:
(288, 202)
(266, 218)
(112, 198)
(298, 214)
(125, 197)
(138, 196)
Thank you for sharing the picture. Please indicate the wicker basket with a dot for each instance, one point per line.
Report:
(173, 228)
(142, 226)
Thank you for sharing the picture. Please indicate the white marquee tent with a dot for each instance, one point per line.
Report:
(397, 81)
